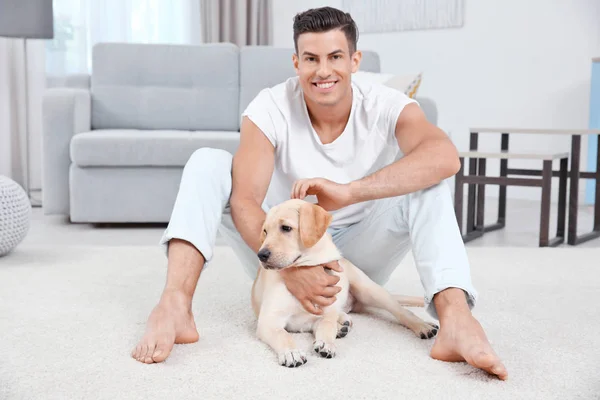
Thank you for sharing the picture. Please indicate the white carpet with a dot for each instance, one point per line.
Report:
(69, 317)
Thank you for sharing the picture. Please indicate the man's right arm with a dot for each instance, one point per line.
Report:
(252, 168)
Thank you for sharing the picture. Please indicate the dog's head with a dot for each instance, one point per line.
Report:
(290, 230)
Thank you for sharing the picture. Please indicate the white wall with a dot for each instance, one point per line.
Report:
(513, 63)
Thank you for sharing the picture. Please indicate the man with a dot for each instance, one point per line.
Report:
(322, 134)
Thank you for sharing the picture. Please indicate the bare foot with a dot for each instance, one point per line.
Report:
(462, 338)
(170, 322)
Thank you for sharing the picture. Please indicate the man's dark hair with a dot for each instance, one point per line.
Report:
(325, 19)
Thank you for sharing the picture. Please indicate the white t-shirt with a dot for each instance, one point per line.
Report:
(367, 144)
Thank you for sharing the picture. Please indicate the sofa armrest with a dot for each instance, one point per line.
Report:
(66, 112)
(76, 81)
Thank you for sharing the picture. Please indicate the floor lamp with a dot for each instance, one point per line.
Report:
(27, 19)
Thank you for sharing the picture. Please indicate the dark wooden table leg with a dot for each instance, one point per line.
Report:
(562, 199)
(545, 208)
(502, 189)
(472, 187)
(595, 233)
(501, 223)
(574, 188)
(480, 196)
(597, 196)
(458, 194)
(476, 228)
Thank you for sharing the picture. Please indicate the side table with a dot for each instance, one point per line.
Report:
(573, 175)
(480, 180)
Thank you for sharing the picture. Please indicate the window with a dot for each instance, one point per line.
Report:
(80, 24)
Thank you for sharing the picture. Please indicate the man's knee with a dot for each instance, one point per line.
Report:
(207, 160)
(436, 194)
(434, 207)
(209, 169)
(441, 189)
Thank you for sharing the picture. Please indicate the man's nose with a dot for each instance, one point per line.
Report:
(324, 69)
(264, 254)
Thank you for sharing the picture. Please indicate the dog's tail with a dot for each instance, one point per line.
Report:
(409, 301)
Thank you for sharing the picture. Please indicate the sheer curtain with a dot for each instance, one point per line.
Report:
(13, 111)
(79, 24)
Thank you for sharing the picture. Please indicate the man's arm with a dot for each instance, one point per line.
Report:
(252, 168)
(429, 157)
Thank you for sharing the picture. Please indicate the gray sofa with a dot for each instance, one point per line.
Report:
(115, 142)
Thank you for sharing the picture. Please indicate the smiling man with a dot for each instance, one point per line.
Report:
(369, 156)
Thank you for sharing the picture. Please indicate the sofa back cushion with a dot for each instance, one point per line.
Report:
(141, 86)
(263, 66)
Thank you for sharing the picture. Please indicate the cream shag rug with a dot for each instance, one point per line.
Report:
(69, 317)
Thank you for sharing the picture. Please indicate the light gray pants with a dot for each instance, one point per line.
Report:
(424, 221)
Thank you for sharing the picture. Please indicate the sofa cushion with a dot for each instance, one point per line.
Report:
(407, 84)
(162, 86)
(254, 76)
(135, 148)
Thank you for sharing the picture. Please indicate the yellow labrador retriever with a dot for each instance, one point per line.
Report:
(295, 234)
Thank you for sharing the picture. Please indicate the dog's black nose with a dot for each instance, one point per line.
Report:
(264, 255)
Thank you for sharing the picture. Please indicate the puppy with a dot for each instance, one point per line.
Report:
(295, 234)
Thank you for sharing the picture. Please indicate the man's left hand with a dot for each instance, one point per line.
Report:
(330, 195)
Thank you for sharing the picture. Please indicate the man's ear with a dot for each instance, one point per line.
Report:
(295, 62)
(313, 223)
(356, 58)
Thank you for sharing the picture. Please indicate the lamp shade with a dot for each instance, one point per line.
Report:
(29, 19)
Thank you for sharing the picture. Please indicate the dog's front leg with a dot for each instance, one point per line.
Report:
(271, 330)
(325, 333)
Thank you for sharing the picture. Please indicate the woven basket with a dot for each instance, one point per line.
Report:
(15, 215)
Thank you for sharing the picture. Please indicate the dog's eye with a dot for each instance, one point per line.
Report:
(265, 231)
(286, 228)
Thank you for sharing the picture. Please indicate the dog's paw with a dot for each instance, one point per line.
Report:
(292, 358)
(325, 350)
(344, 325)
(426, 330)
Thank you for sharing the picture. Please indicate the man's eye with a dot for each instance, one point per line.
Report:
(286, 228)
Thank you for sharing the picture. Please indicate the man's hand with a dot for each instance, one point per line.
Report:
(312, 285)
(330, 195)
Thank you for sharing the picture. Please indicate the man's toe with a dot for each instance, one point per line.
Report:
(500, 370)
(162, 351)
(490, 363)
(138, 351)
(148, 355)
(142, 353)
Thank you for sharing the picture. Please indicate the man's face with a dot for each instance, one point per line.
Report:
(324, 66)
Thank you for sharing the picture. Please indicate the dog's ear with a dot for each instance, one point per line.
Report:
(313, 223)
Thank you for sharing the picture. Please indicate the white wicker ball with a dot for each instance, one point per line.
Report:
(15, 214)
